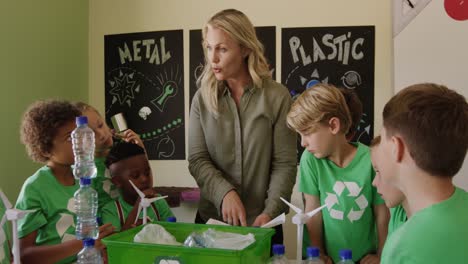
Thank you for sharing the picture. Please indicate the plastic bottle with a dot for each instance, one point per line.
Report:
(89, 254)
(86, 205)
(346, 256)
(313, 256)
(83, 149)
(278, 255)
(171, 219)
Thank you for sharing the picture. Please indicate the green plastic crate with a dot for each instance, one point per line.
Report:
(122, 249)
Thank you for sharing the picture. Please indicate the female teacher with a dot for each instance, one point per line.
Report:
(241, 152)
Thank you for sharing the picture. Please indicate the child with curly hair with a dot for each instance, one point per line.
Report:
(48, 234)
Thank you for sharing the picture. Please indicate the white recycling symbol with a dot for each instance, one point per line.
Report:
(65, 226)
(354, 191)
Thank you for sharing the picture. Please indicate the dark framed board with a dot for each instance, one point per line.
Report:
(144, 80)
(342, 56)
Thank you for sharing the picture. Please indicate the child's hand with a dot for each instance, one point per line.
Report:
(104, 231)
(370, 259)
(150, 193)
(129, 136)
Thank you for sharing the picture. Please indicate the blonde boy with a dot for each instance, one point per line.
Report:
(338, 173)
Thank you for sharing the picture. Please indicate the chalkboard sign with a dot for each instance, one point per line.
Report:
(342, 56)
(266, 35)
(144, 78)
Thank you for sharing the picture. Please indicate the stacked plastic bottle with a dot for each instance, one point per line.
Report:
(86, 206)
(86, 198)
(313, 256)
(346, 256)
(278, 255)
(83, 149)
(89, 254)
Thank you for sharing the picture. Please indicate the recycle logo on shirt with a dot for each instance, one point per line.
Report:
(65, 226)
(354, 191)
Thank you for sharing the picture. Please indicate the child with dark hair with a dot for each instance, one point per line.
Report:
(128, 162)
(423, 145)
(48, 234)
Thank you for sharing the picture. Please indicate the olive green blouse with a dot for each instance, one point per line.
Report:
(247, 148)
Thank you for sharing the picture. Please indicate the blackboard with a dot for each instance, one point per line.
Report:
(266, 35)
(144, 80)
(342, 56)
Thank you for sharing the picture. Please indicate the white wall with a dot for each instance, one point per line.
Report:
(433, 48)
(120, 16)
(125, 16)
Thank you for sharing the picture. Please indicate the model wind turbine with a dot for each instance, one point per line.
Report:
(13, 215)
(144, 203)
(300, 219)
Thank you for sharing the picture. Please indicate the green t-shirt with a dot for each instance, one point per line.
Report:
(54, 218)
(5, 237)
(110, 212)
(436, 234)
(103, 185)
(349, 220)
(397, 218)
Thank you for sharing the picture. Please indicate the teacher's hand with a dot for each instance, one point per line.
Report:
(233, 210)
(261, 220)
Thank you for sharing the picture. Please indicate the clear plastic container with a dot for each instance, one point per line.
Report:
(313, 256)
(346, 256)
(86, 206)
(83, 149)
(89, 254)
(278, 255)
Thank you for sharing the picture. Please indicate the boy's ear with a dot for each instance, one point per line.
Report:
(335, 125)
(398, 148)
(46, 154)
(116, 182)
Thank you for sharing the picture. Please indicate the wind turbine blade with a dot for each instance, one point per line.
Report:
(28, 211)
(140, 193)
(296, 209)
(280, 219)
(4, 218)
(156, 198)
(144, 215)
(316, 210)
(5, 200)
(138, 214)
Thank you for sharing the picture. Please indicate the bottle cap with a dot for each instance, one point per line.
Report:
(278, 249)
(171, 219)
(346, 254)
(313, 252)
(85, 181)
(81, 120)
(88, 242)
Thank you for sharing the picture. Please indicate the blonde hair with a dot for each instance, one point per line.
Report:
(316, 106)
(85, 107)
(238, 26)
